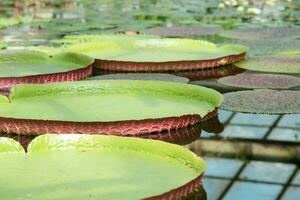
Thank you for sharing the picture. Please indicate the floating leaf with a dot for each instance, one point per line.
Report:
(272, 63)
(251, 80)
(99, 165)
(120, 107)
(147, 54)
(36, 67)
(263, 101)
(142, 76)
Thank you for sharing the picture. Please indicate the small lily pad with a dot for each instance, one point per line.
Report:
(142, 76)
(180, 31)
(253, 81)
(272, 63)
(263, 101)
(102, 167)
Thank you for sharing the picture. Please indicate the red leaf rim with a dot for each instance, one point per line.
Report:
(134, 128)
(6, 83)
(127, 66)
(180, 192)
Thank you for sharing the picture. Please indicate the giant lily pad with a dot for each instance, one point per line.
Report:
(142, 53)
(273, 63)
(263, 101)
(36, 67)
(100, 167)
(252, 80)
(120, 107)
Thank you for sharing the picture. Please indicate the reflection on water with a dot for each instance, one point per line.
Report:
(199, 194)
(210, 73)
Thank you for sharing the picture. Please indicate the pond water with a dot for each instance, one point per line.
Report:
(249, 156)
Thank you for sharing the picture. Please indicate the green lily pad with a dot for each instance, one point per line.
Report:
(28, 63)
(35, 67)
(142, 76)
(272, 63)
(156, 50)
(125, 106)
(263, 101)
(180, 31)
(253, 81)
(102, 167)
(148, 53)
(262, 33)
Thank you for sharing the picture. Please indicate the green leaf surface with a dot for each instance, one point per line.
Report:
(92, 167)
(9, 146)
(26, 63)
(108, 101)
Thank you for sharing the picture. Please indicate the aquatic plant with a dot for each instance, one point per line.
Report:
(154, 169)
(35, 67)
(119, 107)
